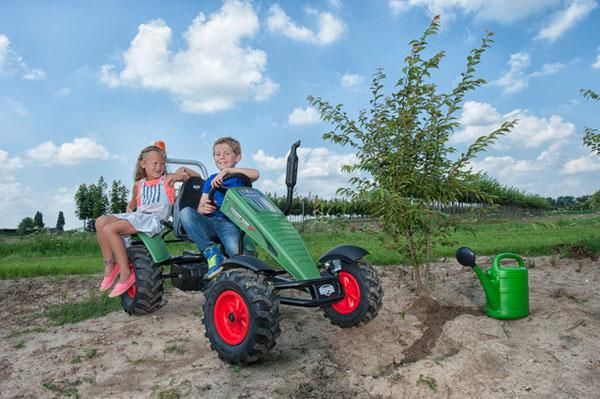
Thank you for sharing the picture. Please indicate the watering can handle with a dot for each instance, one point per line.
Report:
(507, 255)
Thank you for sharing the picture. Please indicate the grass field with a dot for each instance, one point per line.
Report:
(42, 255)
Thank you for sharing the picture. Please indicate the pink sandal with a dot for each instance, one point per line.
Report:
(122, 288)
(108, 281)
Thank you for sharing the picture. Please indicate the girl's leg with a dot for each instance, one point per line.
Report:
(105, 248)
(113, 232)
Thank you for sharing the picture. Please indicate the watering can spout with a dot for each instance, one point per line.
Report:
(466, 257)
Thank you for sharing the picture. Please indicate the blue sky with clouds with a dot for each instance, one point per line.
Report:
(85, 85)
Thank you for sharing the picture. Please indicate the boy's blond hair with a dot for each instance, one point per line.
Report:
(230, 141)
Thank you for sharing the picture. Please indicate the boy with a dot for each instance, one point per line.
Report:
(207, 223)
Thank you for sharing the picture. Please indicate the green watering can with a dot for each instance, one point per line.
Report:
(506, 288)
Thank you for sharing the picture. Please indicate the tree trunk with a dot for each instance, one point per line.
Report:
(415, 262)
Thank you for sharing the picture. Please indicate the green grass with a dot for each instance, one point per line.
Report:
(43, 255)
(26, 266)
(93, 307)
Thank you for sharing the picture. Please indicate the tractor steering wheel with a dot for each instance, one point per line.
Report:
(245, 180)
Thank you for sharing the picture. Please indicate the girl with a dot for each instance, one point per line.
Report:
(153, 195)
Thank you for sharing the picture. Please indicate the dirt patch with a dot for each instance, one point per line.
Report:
(415, 348)
(433, 316)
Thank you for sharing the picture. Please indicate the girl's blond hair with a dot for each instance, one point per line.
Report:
(139, 172)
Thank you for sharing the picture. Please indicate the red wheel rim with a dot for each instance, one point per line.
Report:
(132, 290)
(231, 317)
(352, 290)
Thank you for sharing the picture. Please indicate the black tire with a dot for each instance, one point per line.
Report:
(241, 316)
(146, 295)
(364, 296)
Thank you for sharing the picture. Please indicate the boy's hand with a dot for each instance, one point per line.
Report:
(207, 208)
(218, 180)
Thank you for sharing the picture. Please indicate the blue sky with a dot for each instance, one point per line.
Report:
(85, 85)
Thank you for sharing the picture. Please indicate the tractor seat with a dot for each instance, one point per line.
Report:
(189, 195)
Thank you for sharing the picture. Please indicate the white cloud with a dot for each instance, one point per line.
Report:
(587, 163)
(335, 3)
(504, 11)
(11, 62)
(553, 153)
(4, 47)
(478, 119)
(304, 116)
(516, 79)
(269, 162)
(597, 63)
(548, 69)
(212, 74)
(12, 192)
(34, 74)
(506, 167)
(330, 28)
(76, 152)
(350, 80)
(319, 171)
(566, 19)
(8, 163)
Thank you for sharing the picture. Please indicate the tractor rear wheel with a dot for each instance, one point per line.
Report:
(363, 296)
(146, 295)
(241, 316)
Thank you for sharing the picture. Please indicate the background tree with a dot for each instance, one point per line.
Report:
(26, 226)
(91, 202)
(60, 221)
(98, 193)
(404, 162)
(83, 204)
(118, 197)
(38, 220)
(591, 136)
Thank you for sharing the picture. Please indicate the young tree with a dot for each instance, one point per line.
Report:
(591, 136)
(404, 161)
(26, 226)
(60, 221)
(38, 220)
(118, 197)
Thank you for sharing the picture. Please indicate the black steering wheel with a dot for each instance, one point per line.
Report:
(245, 180)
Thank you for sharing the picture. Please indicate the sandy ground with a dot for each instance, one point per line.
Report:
(413, 349)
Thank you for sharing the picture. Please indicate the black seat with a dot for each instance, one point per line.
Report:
(190, 194)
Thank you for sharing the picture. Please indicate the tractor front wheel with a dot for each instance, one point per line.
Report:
(241, 316)
(363, 296)
(145, 296)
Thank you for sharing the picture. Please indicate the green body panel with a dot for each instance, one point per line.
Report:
(506, 288)
(259, 218)
(156, 246)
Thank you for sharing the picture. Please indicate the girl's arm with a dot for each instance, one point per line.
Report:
(181, 174)
(132, 205)
(250, 173)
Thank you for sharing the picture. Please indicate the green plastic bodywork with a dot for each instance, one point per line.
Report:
(506, 288)
(155, 245)
(263, 221)
(264, 224)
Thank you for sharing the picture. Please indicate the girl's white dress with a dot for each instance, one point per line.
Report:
(154, 201)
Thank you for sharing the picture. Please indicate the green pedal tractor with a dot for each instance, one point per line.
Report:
(241, 308)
